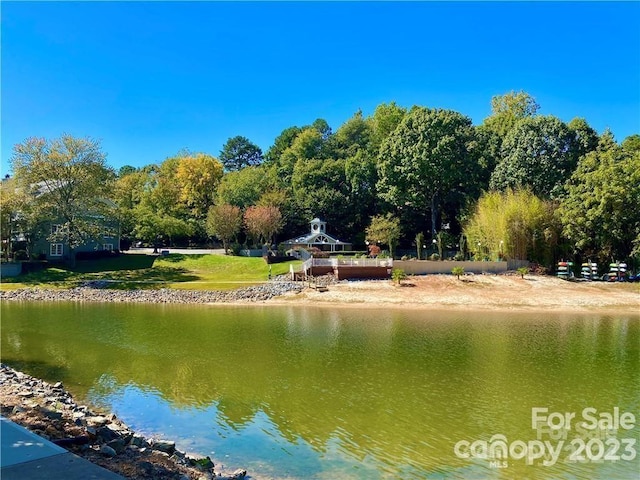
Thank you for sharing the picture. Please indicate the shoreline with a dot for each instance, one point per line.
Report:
(504, 292)
(51, 412)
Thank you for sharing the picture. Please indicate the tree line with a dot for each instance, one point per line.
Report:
(520, 185)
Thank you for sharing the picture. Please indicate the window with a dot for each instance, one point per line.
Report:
(107, 246)
(56, 250)
(56, 229)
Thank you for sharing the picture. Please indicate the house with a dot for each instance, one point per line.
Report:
(47, 239)
(47, 246)
(318, 238)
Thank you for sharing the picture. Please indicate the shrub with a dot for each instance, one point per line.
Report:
(235, 248)
(457, 271)
(398, 275)
(523, 271)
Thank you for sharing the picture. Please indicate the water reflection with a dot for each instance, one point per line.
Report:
(315, 393)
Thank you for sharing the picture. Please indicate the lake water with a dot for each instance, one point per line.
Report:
(315, 393)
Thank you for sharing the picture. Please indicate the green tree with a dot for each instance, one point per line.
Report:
(243, 187)
(17, 216)
(600, 212)
(281, 143)
(384, 229)
(129, 190)
(508, 109)
(240, 152)
(586, 138)
(385, 120)
(631, 144)
(67, 181)
(361, 177)
(157, 229)
(225, 222)
(426, 158)
(353, 136)
(539, 153)
(320, 189)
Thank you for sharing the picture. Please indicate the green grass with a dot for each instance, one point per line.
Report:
(132, 271)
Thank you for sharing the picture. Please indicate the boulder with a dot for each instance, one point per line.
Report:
(107, 451)
(164, 446)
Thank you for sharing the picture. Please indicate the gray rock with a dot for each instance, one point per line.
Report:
(164, 446)
(117, 444)
(96, 421)
(138, 440)
(108, 451)
(105, 434)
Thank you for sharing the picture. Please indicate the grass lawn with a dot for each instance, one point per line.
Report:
(131, 271)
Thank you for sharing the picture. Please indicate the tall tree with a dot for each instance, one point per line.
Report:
(240, 152)
(352, 136)
(539, 153)
(69, 182)
(586, 138)
(508, 109)
(243, 187)
(631, 144)
(281, 143)
(600, 211)
(426, 157)
(198, 177)
(385, 120)
(224, 221)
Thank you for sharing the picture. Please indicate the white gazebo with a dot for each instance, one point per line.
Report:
(319, 238)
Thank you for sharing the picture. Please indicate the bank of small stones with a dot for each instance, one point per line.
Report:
(98, 291)
(51, 412)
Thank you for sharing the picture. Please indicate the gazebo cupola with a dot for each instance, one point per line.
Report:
(318, 226)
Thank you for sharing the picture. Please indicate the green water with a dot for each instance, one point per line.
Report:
(295, 392)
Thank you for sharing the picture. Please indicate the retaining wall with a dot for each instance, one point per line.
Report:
(430, 267)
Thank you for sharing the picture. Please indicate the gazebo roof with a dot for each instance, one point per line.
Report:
(312, 238)
(317, 236)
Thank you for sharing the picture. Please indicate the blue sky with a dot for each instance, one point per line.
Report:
(149, 79)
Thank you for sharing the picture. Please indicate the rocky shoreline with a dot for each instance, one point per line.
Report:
(99, 291)
(51, 412)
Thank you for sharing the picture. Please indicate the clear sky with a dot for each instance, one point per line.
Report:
(149, 79)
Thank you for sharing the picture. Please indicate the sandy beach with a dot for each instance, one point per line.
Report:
(477, 292)
(504, 292)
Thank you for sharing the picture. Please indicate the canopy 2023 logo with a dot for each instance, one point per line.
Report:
(561, 436)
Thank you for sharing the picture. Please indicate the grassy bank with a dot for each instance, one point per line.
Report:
(131, 271)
